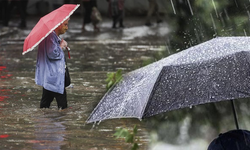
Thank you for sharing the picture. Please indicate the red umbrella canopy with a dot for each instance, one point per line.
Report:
(46, 25)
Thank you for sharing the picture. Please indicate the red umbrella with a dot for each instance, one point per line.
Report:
(46, 25)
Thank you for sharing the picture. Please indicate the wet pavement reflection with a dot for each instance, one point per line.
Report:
(23, 125)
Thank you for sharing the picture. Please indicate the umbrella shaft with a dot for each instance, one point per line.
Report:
(235, 115)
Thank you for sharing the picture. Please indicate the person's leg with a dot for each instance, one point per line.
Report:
(85, 7)
(87, 13)
(94, 3)
(5, 16)
(22, 5)
(158, 18)
(61, 100)
(96, 28)
(1, 10)
(121, 16)
(151, 10)
(47, 98)
(121, 23)
(66, 1)
(10, 6)
(114, 21)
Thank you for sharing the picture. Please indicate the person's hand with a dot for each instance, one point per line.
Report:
(63, 44)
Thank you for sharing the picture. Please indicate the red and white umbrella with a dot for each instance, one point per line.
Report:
(46, 25)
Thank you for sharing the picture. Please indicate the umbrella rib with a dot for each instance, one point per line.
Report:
(151, 94)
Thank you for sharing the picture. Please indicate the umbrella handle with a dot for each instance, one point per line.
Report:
(68, 49)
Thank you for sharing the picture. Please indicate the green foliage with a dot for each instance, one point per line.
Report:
(128, 135)
(113, 78)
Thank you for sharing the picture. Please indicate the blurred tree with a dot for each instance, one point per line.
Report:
(197, 21)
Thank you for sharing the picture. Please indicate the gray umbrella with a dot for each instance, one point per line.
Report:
(213, 71)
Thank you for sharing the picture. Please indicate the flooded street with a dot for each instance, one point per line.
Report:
(25, 126)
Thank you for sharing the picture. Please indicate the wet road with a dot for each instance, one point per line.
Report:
(24, 126)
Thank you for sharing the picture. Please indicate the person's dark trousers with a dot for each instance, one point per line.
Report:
(118, 18)
(11, 5)
(48, 97)
(114, 21)
(66, 1)
(4, 11)
(88, 5)
(21, 6)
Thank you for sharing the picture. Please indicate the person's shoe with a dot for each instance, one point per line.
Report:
(148, 24)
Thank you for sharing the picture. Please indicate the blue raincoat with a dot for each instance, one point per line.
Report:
(50, 67)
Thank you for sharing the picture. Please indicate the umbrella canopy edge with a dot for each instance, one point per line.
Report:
(30, 49)
(95, 109)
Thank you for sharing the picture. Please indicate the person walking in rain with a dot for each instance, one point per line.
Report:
(50, 68)
(21, 5)
(153, 8)
(116, 10)
(88, 7)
